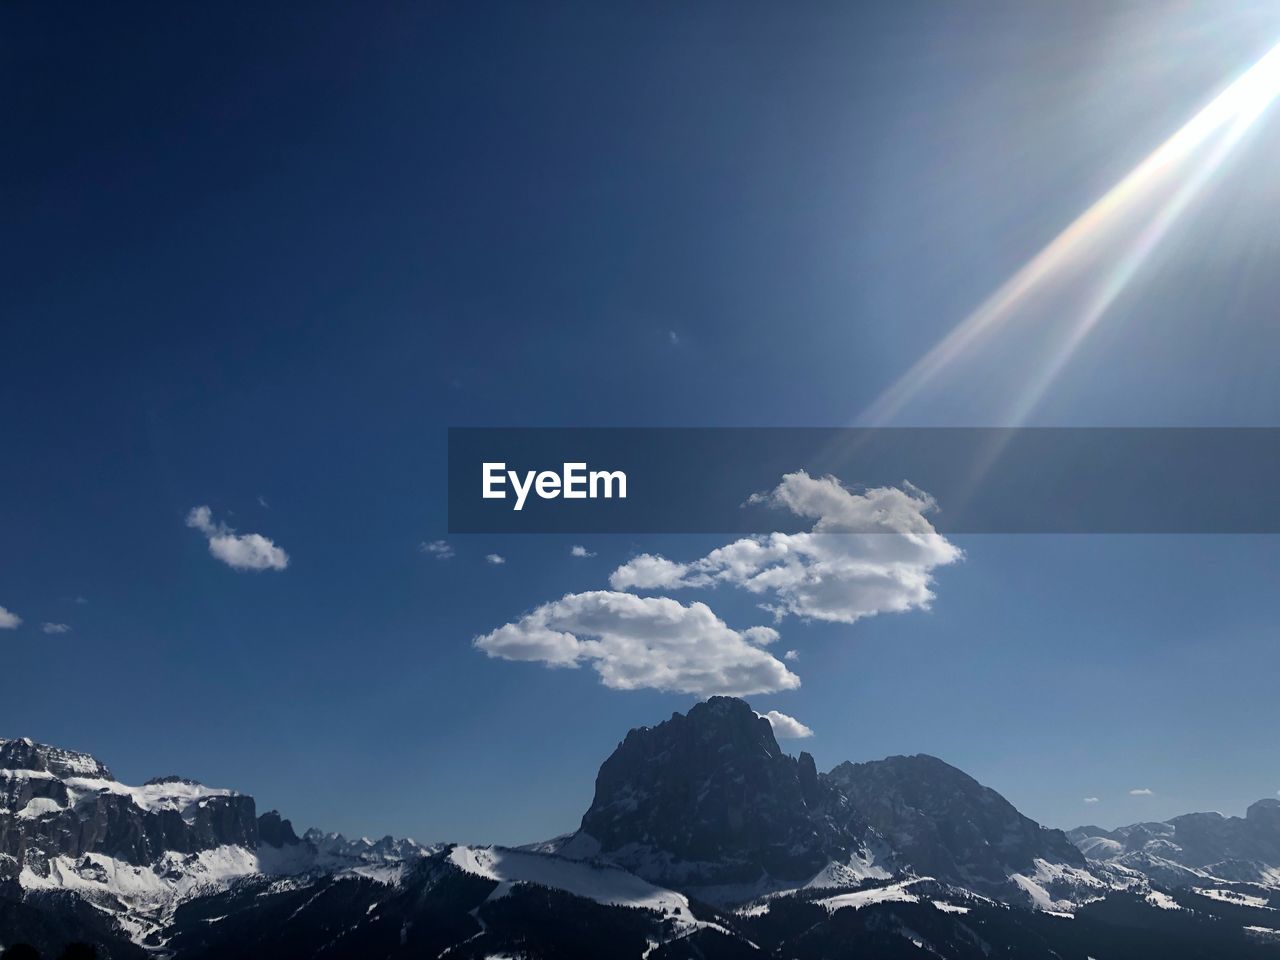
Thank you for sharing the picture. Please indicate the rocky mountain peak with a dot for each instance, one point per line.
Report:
(1265, 812)
(27, 754)
(709, 797)
(276, 831)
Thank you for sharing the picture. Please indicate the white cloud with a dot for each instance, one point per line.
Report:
(674, 338)
(54, 628)
(8, 619)
(867, 553)
(760, 636)
(439, 549)
(496, 559)
(1090, 799)
(262, 502)
(247, 551)
(80, 601)
(791, 655)
(1140, 792)
(578, 550)
(643, 642)
(651, 572)
(785, 727)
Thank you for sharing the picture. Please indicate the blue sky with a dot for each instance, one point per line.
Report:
(262, 261)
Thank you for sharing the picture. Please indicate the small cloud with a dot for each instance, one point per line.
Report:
(54, 628)
(262, 502)
(785, 727)
(1140, 792)
(439, 549)
(791, 655)
(80, 601)
(247, 551)
(1090, 799)
(8, 619)
(674, 338)
(760, 636)
(578, 550)
(496, 559)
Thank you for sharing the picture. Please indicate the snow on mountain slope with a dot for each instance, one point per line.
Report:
(894, 892)
(593, 881)
(143, 898)
(167, 793)
(867, 865)
(138, 852)
(1058, 889)
(1193, 848)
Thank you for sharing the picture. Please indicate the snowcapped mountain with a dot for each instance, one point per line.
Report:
(703, 840)
(1194, 850)
(708, 801)
(133, 853)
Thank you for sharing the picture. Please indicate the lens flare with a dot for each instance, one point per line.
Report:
(1228, 116)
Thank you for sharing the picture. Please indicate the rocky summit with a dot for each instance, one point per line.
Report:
(703, 839)
(709, 797)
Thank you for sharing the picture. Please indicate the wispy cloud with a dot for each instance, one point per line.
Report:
(785, 727)
(867, 553)
(496, 559)
(1140, 792)
(674, 338)
(54, 628)
(248, 551)
(578, 550)
(1090, 799)
(9, 619)
(439, 549)
(643, 642)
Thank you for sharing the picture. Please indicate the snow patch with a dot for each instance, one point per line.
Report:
(177, 795)
(603, 884)
(39, 806)
(1231, 896)
(893, 893)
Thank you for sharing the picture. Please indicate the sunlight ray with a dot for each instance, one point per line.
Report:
(1230, 114)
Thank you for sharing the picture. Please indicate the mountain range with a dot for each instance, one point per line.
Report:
(703, 839)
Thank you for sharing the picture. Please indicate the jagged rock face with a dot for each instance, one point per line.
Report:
(362, 848)
(945, 824)
(57, 803)
(275, 831)
(709, 797)
(25, 754)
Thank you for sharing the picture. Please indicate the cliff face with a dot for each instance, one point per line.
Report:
(64, 804)
(709, 797)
